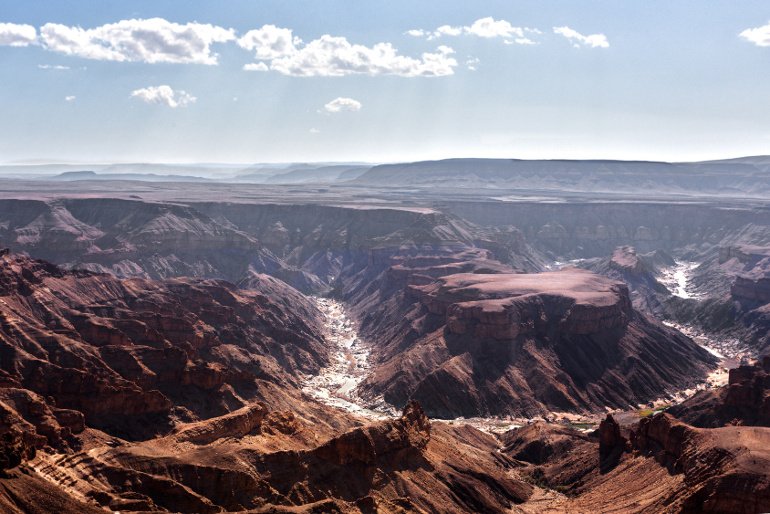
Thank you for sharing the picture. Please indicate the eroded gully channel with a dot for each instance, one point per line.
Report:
(337, 385)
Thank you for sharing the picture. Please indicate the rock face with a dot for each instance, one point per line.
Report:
(752, 284)
(484, 343)
(131, 355)
(744, 401)
(504, 306)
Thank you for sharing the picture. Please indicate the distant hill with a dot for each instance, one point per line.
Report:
(303, 174)
(68, 176)
(323, 174)
(733, 177)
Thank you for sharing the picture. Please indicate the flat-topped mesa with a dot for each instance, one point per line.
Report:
(504, 306)
(625, 259)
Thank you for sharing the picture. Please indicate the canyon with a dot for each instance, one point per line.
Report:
(183, 347)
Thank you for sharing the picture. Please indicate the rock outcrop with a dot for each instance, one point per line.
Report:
(490, 341)
(612, 443)
(752, 282)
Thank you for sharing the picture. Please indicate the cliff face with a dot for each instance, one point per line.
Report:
(131, 355)
(504, 306)
(595, 229)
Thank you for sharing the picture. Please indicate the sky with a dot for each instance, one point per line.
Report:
(247, 81)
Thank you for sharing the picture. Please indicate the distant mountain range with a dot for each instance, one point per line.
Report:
(750, 175)
(731, 177)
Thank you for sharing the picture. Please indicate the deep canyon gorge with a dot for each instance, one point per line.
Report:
(365, 348)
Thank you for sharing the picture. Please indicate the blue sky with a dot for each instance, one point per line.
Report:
(643, 79)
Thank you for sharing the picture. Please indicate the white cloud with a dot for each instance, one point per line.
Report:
(578, 39)
(471, 63)
(270, 42)
(164, 95)
(487, 28)
(448, 30)
(760, 36)
(152, 40)
(255, 66)
(331, 56)
(342, 104)
(52, 67)
(69, 98)
(315, 131)
(13, 34)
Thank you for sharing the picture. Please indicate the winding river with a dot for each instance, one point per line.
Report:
(337, 384)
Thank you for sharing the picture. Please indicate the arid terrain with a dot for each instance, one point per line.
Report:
(401, 338)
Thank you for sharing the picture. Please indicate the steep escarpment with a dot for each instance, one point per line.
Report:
(337, 244)
(481, 343)
(134, 355)
(307, 246)
(128, 238)
(584, 229)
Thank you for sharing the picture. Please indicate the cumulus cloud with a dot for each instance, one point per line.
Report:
(342, 104)
(269, 42)
(448, 30)
(577, 39)
(521, 41)
(331, 56)
(490, 28)
(154, 40)
(69, 98)
(760, 36)
(471, 63)
(487, 28)
(280, 50)
(13, 34)
(416, 33)
(255, 66)
(164, 95)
